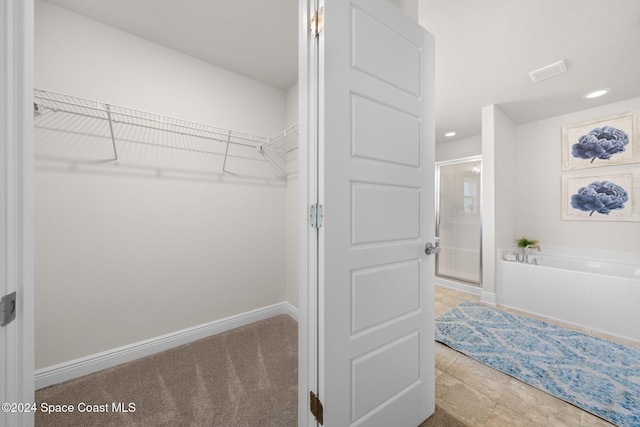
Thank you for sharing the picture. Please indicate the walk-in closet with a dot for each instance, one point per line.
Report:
(165, 193)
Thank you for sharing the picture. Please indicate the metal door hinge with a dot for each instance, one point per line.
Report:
(317, 22)
(316, 216)
(316, 407)
(7, 309)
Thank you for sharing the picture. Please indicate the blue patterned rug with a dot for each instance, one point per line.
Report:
(599, 376)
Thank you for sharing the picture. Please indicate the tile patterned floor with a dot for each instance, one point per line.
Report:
(481, 396)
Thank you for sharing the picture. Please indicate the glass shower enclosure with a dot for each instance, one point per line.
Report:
(458, 220)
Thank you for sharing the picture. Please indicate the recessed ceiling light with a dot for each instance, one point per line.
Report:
(450, 134)
(596, 93)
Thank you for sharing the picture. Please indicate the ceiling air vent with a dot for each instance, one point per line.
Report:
(548, 71)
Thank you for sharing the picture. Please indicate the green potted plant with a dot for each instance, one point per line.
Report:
(523, 242)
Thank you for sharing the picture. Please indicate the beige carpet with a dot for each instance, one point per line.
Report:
(246, 377)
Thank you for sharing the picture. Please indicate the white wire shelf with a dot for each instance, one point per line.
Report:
(82, 130)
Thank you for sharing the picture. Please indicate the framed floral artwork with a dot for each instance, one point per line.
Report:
(608, 141)
(612, 196)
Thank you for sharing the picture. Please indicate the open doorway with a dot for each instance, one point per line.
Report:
(89, 247)
(163, 214)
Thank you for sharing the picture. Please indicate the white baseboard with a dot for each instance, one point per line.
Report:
(462, 287)
(488, 298)
(485, 297)
(291, 311)
(96, 362)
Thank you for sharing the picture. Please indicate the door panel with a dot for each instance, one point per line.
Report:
(374, 301)
(376, 182)
(400, 64)
(372, 138)
(383, 213)
(371, 370)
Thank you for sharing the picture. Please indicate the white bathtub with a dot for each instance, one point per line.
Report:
(602, 294)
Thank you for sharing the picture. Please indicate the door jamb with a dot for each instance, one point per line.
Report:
(16, 138)
(308, 49)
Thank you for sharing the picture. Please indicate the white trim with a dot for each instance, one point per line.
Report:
(291, 310)
(96, 362)
(488, 297)
(459, 160)
(16, 216)
(462, 287)
(307, 195)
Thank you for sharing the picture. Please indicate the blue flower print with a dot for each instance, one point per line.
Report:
(600, 143)
(601, 197)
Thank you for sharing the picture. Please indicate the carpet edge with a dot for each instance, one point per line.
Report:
(45, 377)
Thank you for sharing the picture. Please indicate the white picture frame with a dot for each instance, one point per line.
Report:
(607, 196)
(607, 141)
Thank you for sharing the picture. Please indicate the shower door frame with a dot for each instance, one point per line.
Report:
(477, 158)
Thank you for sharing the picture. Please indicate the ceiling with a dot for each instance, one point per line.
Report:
(256, 38)
(484, 48)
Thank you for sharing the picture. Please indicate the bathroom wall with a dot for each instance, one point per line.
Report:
(522, 173)
(498, 191)
(124, 255)
(459, 148)
(504, 185)
(538, 162)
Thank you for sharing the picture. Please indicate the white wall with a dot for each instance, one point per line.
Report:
(123, 255)
(82, 57)
(291, 215)
(504, 182)
(538, 187)
(409, 7)
(291, 114)
(291, 231)
(459, 148)
(498, 187)
(522, 172)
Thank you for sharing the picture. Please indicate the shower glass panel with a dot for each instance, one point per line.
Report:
(459, 226)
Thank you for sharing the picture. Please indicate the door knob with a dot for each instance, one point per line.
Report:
(429, 249)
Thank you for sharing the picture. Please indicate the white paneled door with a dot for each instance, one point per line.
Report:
(375, 180)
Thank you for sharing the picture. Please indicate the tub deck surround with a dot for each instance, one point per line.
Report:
(596, 290)
(606, 268)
